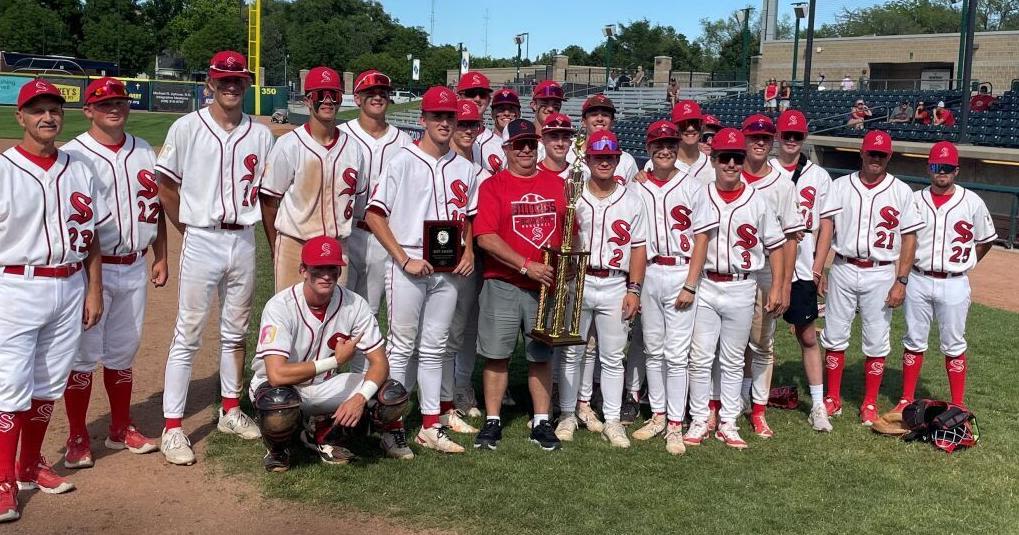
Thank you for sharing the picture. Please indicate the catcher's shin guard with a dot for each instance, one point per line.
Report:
(279, 414)
(391, 403)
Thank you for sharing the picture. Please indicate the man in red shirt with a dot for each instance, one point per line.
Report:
(982, 101)
(520, 210)
(943, 115)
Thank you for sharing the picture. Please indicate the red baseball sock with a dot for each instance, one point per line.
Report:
(173, 423)
(758, 409)
(76, 398)
(834, 364)
(322, 428)
(445, 406)
(912, 362)
(874, 370)
(118, 388)
(10, 431)
(429, 420)
(33, 430)
(230, 404)
(715, 405)
(956, 368)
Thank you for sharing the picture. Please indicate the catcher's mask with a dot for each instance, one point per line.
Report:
(391, 403)
(279, 414)
(945, 425)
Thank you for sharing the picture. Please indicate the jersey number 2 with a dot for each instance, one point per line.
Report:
(885, 240)
(960, 255)
(86, 239)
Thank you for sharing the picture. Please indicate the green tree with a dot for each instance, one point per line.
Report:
(897, 17)
(396, 67)
(114, 30)
(31, 28)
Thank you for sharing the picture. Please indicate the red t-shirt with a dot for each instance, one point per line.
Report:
(947, 118)
(45, 162)
(980, 102)
(924, 117)
(729, 195)
(527, 213)
(116, 146)
(940, 198)
(770, 92)
(749, 177)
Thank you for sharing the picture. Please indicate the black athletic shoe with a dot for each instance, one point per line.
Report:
(630, 409)
(544, 435)
(490, 435)
(276, 461)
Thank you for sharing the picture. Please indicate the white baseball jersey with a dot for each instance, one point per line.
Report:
(814, 203)
(609, 228)
(668, 209)
(740, 231)
(318, 184)
(48, 217)
(781, 195)
(290, 329)
(701, 168)
(128, 187)
(375, 153)
(488, 151)
(218, 171)
(625, 171)
(451, 194)
(946, 241)
(872, 220)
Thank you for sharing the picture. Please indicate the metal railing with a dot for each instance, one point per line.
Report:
(877, 116)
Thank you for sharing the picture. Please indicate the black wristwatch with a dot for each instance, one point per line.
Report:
(904, 280)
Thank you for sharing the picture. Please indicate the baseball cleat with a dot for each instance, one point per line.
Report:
(696, 433)
(454, 420)
(489, 436)
(729, 434)
(507, 399)
(8, 502)
(42, 477)
(833, 406)
(868, 414)
(652, 428)
(394, 443)
(588, 418)
(328, 452)
(818, 419)
(901, 406)
(78, 454)
(464, 399)
(615, 434)
(630, 409)
(276, 461)
(176, 447)
(543, 435)
(435, 438)
(674, 439)
(761, 427)
(237, 423)
(133, 441)
(566, 427)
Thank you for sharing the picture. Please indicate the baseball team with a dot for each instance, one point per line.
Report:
(692, 260)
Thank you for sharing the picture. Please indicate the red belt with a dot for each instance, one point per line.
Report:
(231, 226)
(604, 273)
(58, 272)
(670, 260)
(715, 276)
(863, 263)
(938, 274)
(363, 226)
(124, 260)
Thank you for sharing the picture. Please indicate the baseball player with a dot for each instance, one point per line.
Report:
(520, 211)
(425, 181)
(759, 132)
(505, 109)
(307, 331)
(611, 223)
(475, 87)
(814, 203)
(876, 228)
(312, 176)
(668, 196)
(692, 159)
(51, 207)
(710, 127)
(734, 228)
(122, 165)
(215, 208)
(546, 99)
(379, 141)
(599, 113)
(557, 138)
(958, 232)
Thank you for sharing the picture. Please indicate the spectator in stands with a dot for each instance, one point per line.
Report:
(921, 115)
(858, 115)
(864, 84)
(785, 94)
(672, 94)
(982, 101)
(638, 78)
(624, 80)
(820, 82)
(902, 114)
(943, 116)
(847, 83)
(771, 96)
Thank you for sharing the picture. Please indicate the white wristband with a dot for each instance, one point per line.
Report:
(368, 389)
(325, 365)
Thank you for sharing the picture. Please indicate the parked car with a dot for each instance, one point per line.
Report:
(401, 96)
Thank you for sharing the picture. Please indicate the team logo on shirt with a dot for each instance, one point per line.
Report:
(964, 229)
(494, 162)
(619, 180)
(621, 229)
(747, 234)
(681, 214)
(459, 190)
(534, 219)
(808, 194)
(335, 339)
(250, 193)
(267, 335)
(890, 218)
(82, 205)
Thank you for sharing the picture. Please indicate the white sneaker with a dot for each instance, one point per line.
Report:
(436, 438)
(651, 428)
(695, 434)
(587, 417)
(176, 447)
(507, 400)
(729, 434)
(237, 423)
(615, 434)
(566, 427)
(453, 419)
(394, 443)
(819, 420)
(674, 440)
(464, 399)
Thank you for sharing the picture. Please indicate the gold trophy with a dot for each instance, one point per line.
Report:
(558, 319)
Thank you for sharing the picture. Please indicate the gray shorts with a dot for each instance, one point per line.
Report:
(505, 311)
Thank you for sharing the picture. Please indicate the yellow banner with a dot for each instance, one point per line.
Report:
(71, 93)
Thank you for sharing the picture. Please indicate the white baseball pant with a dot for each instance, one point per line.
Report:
(212, 261)
(668, 333)
(850, 288)
(947, 300)
(590, 366)
(40, 332)
(115, 339)
(325, 397)
(724, 312)
(762, 339)
(366, 273)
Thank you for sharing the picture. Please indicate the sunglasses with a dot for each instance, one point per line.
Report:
(322, 272)
(727, 157)
(877, 155)
(468, 125)
(108, 89)
(706, 137)
(550, 91)
(683, 126)
(319, 95)
(475, 93)
(942, 168)
(525, 144)
(604, 144)
(793, 136)
(229, 65)
(372, 80)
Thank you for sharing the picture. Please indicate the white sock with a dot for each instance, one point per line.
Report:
(817, 395)
(748, 383)
(496, 418)
(538, 418)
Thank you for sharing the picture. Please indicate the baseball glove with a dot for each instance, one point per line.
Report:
(890, 423)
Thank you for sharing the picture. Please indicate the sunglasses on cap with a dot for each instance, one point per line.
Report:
(319, 95)
(322, 272)
(876, 154)
(793, 136)
(706, 137)
(524, 144)
(476, 92)
(549, 91)
(942, 168)
(108, 89)
(734, 157)
(604, 144)
(229, 65)
(372, 80)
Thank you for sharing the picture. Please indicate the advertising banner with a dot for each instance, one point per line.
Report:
(172, 97)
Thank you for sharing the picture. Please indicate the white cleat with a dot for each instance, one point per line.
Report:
(674, 440)
(819, 420)
(176, 447)
(566, 427)
(464, 399)
(588, 418)
(696, 434)
(435, 438)
(728, 433)
(453, 419)
(394, 443)
(615, 434)
(652, 428)
(237, 423)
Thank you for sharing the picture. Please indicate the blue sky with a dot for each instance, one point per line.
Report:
(556, 24)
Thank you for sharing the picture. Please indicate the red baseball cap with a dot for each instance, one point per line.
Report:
(687, 110)
(711, 120)
(758, 124)
(505, 96)
(467, 111)
(322, 251)
(878, 141)
(944, 152)
(728, 140)
(792, 121)
(38, 88)
(602, 142)
(662, 130)
(228, 63)
(557, 122)
(520, 129)
(371, 78)
(473, 80)
(597, 102)
(323, 78)
(439, 98)
(105, 88)
(548, 89)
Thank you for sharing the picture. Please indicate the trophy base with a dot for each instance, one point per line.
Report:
(558, 341)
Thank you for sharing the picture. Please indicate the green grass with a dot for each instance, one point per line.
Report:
(150, 126)
(851, 481)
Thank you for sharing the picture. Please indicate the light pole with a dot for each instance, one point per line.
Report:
(809, 53)
(527, 47)
(743, 18)
(608, 31)
(286, 74)
(519, 40)
(962, 39)
(967, 70)
(800, 10)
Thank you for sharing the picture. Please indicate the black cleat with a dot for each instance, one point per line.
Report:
(630, 409)
(490, 435)
(544, 435)
(276, 461)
